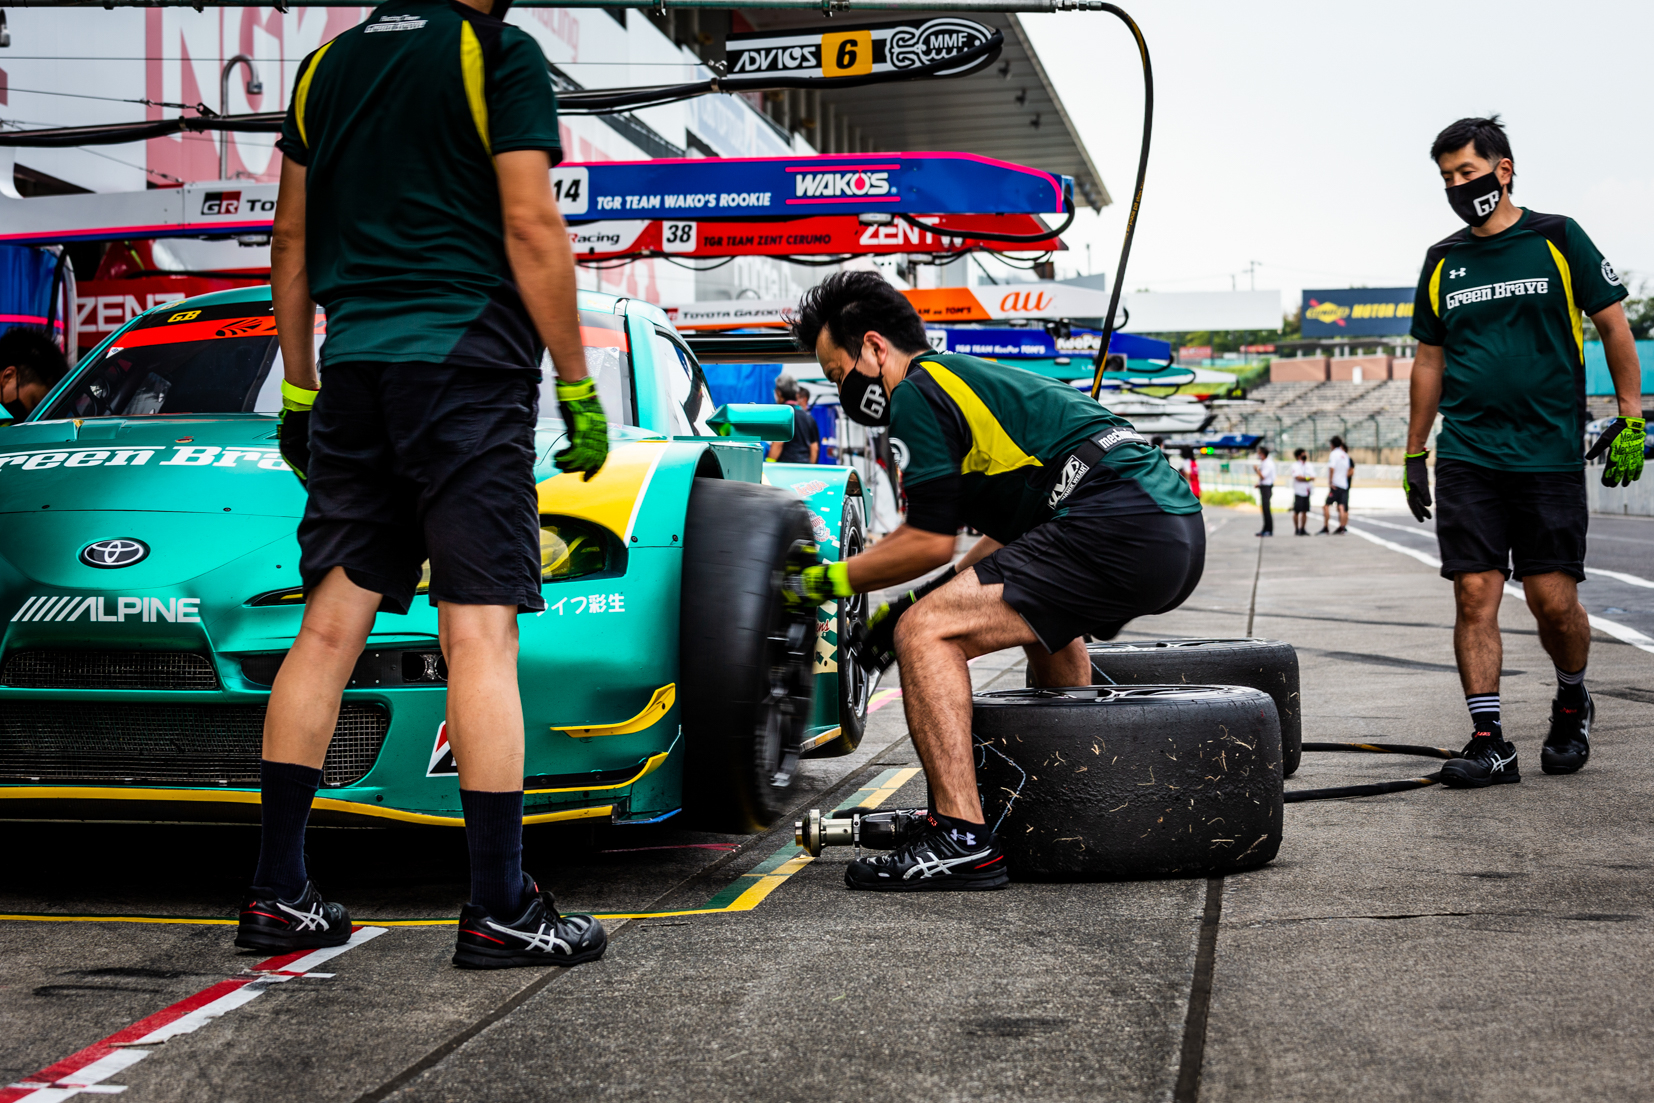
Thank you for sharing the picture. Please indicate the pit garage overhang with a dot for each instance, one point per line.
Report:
(1009, 110)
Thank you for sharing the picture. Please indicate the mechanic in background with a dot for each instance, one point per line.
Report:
(416, 206)
(806, 442)
(1086, 524)
(31, 364)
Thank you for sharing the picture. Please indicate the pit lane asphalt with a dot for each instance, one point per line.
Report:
(1429, 945)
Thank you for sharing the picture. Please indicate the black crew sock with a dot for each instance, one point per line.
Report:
(1570, 688)
(963, 832)
(286, 790)
(1484, 713)
(494, 836)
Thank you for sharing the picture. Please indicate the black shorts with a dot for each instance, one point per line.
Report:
(1074, 576)
(1338, 496)
(410, 462)
(1486, 519)
(1300, 503)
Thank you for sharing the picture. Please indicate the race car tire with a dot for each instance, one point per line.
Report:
(1128, 782)
(855, 685)
(1269, 665)
(745, 660)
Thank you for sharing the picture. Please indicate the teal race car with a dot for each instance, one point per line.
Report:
(149, 590)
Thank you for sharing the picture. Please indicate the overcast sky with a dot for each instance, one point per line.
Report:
(1298, 134)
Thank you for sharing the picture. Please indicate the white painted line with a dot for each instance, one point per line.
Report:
(1619, 576)
(1418, 529)
(1621, 632)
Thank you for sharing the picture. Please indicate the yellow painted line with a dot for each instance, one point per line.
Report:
(880, 789)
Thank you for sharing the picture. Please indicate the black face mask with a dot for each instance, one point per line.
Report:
(863, 397)
(1476, 200)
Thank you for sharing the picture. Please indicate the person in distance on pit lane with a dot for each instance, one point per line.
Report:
(1303, 481)
(1502, 357)
(1087, 526)
(416, 206)
(31, 364)
(1339, 469)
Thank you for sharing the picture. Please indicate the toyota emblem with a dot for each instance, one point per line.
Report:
(114, 553)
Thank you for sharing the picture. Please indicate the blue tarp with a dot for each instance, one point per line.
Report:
(1597, 379)
(25, 286)
(741, 382)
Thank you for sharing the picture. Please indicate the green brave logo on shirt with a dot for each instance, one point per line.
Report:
(395, 23)
(1490, 291)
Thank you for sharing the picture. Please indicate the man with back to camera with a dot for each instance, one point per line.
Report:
(1303, 481)
(1266, 487)
(416, 206)
(31, 364)
(1339, 469)
(1502, 356)
(1086, 527)
(806, 442)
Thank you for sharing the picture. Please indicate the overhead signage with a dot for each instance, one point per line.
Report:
(813, 236)
(1358, 312)
(765, 187)
(858, 51)
(1017, 300)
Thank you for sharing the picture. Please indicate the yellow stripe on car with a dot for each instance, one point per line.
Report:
(329, 804)
(659, 705)
(611, 497)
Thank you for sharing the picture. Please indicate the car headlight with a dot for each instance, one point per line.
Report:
(568, 549)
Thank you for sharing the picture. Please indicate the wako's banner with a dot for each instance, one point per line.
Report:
(1358, 312)
(857, 51)
(850, 183)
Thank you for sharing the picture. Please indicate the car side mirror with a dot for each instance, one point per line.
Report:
(753, 420)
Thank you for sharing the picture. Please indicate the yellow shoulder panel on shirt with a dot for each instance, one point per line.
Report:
(993, 452)
(470, 65)
(302, 95)
(1568, 289)
(1435, 287)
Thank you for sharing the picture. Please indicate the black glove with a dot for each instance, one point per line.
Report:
(1415, 483)
(873, 645)
(293, 429)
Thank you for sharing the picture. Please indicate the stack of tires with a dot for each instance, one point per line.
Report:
(1171, 765)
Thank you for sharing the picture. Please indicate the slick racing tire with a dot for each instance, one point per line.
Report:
(1126, 782)
(746, 661)
(1268, 665)
(855, 685)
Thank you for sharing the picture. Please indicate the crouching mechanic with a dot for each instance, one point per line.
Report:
(416, 206)
(1086, 526)
(31, 364)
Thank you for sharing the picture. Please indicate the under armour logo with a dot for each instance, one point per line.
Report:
(1455, 273)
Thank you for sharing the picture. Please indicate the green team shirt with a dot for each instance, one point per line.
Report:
(397, 121)
(982, 444)
(1507, 311)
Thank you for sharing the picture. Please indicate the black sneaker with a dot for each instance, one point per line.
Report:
(280, 926)
(1486, 760)
(934, 862)
(540, 936)
(1568, 747)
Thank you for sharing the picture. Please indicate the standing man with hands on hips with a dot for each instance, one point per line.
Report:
(416, 207)
(1502, 357)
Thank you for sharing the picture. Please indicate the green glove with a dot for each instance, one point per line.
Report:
(1415, 483)
(293, 428)
(1624, 442)
(588, 428)
(816, 585)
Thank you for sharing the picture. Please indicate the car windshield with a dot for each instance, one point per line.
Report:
(224, 359)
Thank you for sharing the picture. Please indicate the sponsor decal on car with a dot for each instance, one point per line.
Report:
(107, 609)
(442, 755)
(194, 455)
(589, 603)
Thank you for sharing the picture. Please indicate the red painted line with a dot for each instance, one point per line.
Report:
(98, 1050)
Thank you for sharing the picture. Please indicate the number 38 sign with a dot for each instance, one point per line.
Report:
(858, 51)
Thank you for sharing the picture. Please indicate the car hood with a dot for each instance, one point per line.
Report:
(148, 465)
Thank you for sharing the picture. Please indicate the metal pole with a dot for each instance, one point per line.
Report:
(254, 87)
